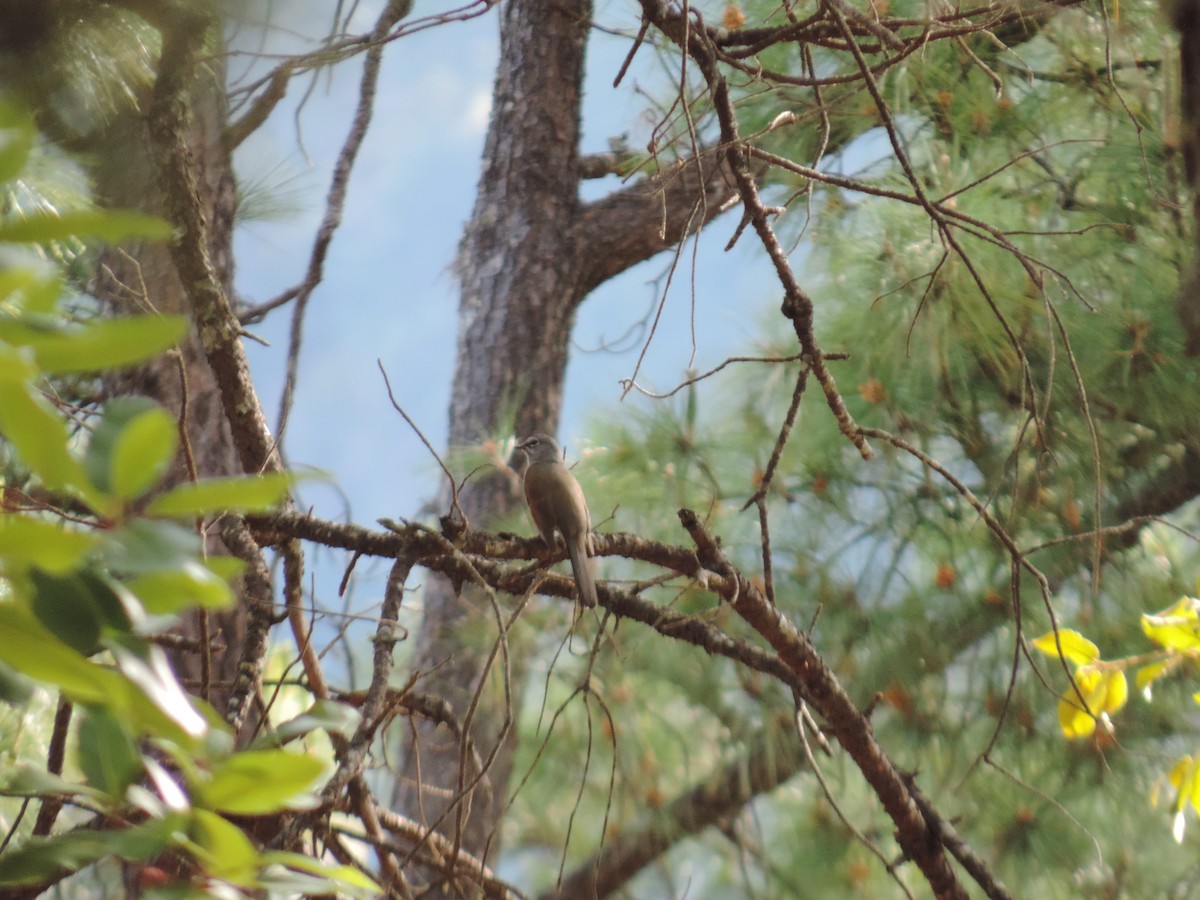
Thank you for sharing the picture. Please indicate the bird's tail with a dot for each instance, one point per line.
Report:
(582, 568)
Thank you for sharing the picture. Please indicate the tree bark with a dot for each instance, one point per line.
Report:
(144, 277)
(519, 287)
(530, 254)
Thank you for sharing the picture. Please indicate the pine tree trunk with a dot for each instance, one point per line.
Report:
(520, 285)
(144, 277)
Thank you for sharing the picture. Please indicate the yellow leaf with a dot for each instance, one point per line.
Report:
(1078, 719)
(1175, 776)
(1116, 691)
(1187, 785)
(1070, 645)
(1104, 692)
(1148, 674)
(1177, 627)
(1076, 722)
(1193, 795)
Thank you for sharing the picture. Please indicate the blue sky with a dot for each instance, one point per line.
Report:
(388, 293)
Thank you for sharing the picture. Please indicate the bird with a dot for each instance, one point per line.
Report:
(557, 505)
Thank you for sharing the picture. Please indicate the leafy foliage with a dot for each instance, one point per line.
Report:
(1047, 376)
(1098, 688)
(94, 563)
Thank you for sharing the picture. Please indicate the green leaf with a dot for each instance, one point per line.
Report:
(78, 606)
(143, 453)
(108, 343)
(34, 293)
(43, 859)
(279, 880)
(39, 435)
(15, 688)
(249, 492)
(179, 892)
(163, 705)
(323, 715)
(28, 647)
(344, 876)
(256, 782)
(27, 781)
(222, 849)
(110, 226)
(144, 692)
(173, 590)
(62, 605)
(131, 448)
(143, 545)
(227, 568)
(107, 753)
(29, 541)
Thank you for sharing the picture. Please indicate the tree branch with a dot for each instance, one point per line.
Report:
(648, 216)
(915, 834)
(211, 312)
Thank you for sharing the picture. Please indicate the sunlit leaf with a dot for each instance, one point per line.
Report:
(43, 859)
(1148, 674)
(1116, 691)
(26, 540)
(108, 343)
(222, 849)
(1186, 785)
(1179, 769)
(337, 879)
(173, 590)
(39, 436)
(323, 715)
(252, 493)
(256, 782)
(166, 786)
(1104, 691)
(1075, 721)
(1075, 648)
(1177, 627)
(27, 646)
(131, 448)
(108, 754)
(107, 225)
(147, 667)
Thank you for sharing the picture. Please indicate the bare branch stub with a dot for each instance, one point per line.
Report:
(259, 606)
